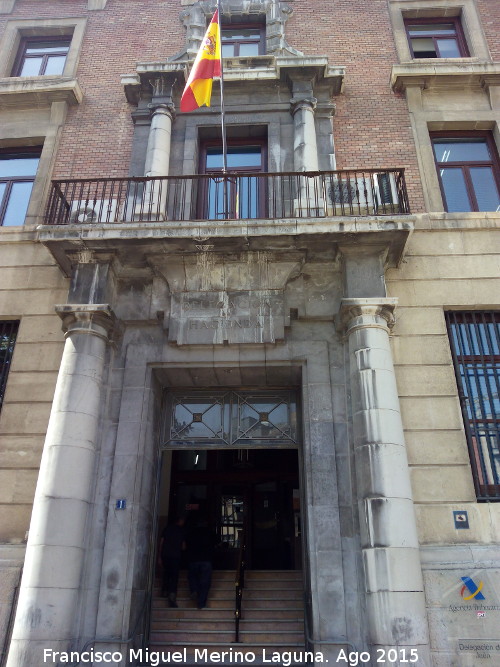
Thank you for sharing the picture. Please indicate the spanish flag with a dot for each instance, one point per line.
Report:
(206, 66)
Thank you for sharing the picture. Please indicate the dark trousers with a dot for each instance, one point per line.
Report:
(171, 567)
(200, 578)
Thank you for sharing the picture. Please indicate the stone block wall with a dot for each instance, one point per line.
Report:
(30, 285)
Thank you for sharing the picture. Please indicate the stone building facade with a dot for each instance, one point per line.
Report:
(347, 310)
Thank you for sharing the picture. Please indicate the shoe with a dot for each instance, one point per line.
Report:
(201, 607)
(173, 604)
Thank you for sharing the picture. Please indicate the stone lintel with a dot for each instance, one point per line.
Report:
(357, 313)
(287, 68)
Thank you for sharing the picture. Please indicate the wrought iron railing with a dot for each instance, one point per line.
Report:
(239, 585)
(235, 196)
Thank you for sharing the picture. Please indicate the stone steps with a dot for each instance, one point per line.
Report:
(272, 619)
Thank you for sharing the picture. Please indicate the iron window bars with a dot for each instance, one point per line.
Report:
(475, 346)
(8, 334)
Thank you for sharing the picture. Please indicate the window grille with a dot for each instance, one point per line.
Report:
(475, 345)
(8, 333)
(231, 419)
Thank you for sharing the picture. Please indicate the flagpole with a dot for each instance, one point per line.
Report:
(222, 110)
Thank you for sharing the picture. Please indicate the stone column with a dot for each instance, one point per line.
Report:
(309, 200)
(393, 577)
(158, 150)
(56, 545)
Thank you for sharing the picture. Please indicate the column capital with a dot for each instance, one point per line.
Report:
(95, 319)
(162, 99)
(299, 103)
(358, 313)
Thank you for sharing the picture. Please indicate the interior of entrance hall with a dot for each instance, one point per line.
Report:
(250, 494)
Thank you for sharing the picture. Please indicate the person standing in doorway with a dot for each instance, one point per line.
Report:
(200, 543)
(172, 544)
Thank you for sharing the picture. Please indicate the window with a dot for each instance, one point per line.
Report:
(436, 38)
(245, 193)
(41, 56)
(231, 418)
(8, 333)
(468, 170)
(17, 174)
(242, 41)
(475, 344)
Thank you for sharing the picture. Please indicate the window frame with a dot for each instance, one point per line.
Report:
(473, 425)
(245, 26)
(464, 165)
(6, 363)
(23, 46)
(459, 35)
(27, 151)
(262, 193)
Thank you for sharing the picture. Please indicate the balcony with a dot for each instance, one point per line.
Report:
(234, 196)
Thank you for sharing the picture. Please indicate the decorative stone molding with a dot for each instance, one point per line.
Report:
(195, 19)
(95, 319)
(19, 92)
(308, 103)
(446, 74)
(6, 6)
(96, 4)
(364, 313)
(271, 68)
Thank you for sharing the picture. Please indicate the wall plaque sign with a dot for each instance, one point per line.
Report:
(211, 318)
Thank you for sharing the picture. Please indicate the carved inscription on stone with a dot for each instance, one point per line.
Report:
(209, 318)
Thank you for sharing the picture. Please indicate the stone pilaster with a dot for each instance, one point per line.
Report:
(56, 544)
(393, 578)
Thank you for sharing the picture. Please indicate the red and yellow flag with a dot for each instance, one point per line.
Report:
(206, 66)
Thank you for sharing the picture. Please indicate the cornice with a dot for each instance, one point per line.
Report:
(38, 91)
(465, 72)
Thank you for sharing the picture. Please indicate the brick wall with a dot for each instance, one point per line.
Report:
(371, 125)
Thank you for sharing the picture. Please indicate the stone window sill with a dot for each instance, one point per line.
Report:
(446, 72)
(38, 91)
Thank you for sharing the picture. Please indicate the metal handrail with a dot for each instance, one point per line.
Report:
(233, 196)
(239, 586)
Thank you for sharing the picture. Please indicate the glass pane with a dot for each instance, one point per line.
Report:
(485, 188)
(31, 67)
(455, 190)
(251, 49)
(193, 419)
(424, 48)
(461, 150)
(240, 34)
(247, 197)
(47, 47)
(18, 204)
(265, 418)
(215, 209)
(448, 48)
(55, 65)
(227, 50)
(237, 156)
(3, 187)
(23, 166)
(432, 29)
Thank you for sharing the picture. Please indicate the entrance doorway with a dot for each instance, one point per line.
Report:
(250, 494)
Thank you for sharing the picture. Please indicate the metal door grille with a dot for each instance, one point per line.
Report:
(475, 345)
(8, 333)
